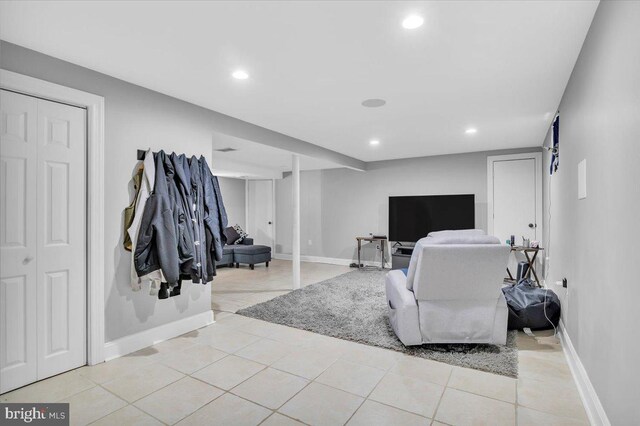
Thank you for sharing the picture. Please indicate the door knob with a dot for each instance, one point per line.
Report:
(531, 225)
(27, 260)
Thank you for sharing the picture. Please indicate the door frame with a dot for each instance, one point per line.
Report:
(537, 156)
(94, 105)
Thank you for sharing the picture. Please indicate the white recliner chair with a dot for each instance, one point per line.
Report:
(452, 290)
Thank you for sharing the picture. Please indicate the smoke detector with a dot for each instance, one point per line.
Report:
(228, 149)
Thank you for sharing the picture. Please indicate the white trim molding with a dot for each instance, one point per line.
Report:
(94, 105)
(141, 340)
(593, 406)
(328, 260)
(537, 156)
(313, 259)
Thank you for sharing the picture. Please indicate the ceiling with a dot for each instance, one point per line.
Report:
(498, 66)
(257, 161)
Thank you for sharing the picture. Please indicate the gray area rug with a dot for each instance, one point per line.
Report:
(353, 307)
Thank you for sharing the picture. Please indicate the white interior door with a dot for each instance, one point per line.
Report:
(61, 248)
(260, 211)
(18, 154)
(514, 199)
(43, 241)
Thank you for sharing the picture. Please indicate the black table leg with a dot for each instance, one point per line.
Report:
(533, 270)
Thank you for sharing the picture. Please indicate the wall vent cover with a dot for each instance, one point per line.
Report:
(226, 150)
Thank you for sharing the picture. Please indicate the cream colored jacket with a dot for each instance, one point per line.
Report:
(147, 184)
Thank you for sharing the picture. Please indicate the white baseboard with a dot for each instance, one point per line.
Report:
(314, 259)
(595, 411)
(329, 260)
(135, 342)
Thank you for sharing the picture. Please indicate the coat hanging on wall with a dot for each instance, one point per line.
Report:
(147, 184)
(178, 223)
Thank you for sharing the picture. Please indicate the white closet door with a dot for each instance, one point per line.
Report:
(42, 239)
(18, 281)
(61, 242)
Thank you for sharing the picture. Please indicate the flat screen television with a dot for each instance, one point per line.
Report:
(413, 217)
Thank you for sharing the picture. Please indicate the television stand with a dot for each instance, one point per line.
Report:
(401, 257)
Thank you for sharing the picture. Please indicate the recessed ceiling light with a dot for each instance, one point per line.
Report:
(374, 142)
(471, 131)
(373, 103)
(412, 22)
(240, 75)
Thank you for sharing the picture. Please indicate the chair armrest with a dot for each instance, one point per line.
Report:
(396, 289)
(247, 241)
(402, 309)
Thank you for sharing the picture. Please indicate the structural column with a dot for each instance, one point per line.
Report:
(295, 174)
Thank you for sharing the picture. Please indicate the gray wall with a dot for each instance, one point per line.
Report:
(134, 118)
(594, 242)
(233, 193)
(339, 204)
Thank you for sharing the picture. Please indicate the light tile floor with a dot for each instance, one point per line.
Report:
(241, 371)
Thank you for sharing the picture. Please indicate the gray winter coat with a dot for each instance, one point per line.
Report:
(165, 239)
(157, 246)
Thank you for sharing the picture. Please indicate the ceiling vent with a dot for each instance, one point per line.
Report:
(225, 149)
(373, 103)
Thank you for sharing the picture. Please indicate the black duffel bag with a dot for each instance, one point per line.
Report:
(532, 307)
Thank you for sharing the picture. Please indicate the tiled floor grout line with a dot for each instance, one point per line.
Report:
(297, 375)
(284, 403)
(293, 396)
(268, 408)
(142, 397)
(402, 409)
(444, 389)
(245, 399)
(75, 393)
(186, 375)
(366, 398)
(398, 408)
(159, 389)
(128, 404)
(481, 395)
(280, 414)
(309, 381)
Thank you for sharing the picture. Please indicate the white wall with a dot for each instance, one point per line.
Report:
(233, 194)
(593, 242)
(339, 204)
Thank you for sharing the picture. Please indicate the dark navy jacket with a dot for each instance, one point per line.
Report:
(190, 188)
